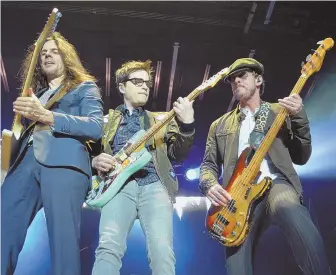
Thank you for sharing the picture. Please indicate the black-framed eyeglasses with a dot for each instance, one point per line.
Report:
(240, 74)
(138, 82)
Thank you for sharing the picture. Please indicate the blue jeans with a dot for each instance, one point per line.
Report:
(154, 209)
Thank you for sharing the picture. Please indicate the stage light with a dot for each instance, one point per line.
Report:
(192, 174)
(183, 204)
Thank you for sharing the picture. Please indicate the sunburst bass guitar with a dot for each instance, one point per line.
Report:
(229, 225)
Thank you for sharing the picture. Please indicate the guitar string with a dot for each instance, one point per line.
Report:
(278, 123)
(227, 210)
(194, 94)
(253, 163)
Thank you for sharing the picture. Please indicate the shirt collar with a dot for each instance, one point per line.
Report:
(246, 111)
(138, 110)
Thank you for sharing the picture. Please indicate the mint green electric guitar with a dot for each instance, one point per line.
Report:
(134, 156)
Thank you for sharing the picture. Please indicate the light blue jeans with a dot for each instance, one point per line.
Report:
(154, 209)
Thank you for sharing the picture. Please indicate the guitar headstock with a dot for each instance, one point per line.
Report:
(212, 81)
(49, 27)
(315, 60)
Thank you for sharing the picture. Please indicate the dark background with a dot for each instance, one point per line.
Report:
(208, 33)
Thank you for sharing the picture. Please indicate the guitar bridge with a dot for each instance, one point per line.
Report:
(219, 238)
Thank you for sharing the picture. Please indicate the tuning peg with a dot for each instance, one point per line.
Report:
(320, 43)
(308, 58)
(302, 64)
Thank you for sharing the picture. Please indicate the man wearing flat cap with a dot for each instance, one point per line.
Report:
(245, 127)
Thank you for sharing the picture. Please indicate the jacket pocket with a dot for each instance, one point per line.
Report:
(224, 134)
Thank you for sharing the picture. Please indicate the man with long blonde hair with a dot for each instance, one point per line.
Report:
(148, 194)
(52, 168)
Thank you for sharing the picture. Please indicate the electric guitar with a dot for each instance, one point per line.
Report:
(229, 225)
(134, 156)
(10, 138)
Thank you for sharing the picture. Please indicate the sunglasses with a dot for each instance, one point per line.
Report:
(241, 74)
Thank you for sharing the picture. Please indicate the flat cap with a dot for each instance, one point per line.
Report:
(243, 64)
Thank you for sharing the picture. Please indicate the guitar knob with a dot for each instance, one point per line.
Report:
(238, 224)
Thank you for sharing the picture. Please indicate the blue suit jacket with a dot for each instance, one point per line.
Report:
(78, 118)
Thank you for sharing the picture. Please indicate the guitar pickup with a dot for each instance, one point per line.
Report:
(232, 208)
(121, 157)
(224, 221)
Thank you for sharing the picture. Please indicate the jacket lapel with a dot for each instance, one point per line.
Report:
(41, 92)
(151, 119)
(275, 108)
(110, 129)
(232, 140)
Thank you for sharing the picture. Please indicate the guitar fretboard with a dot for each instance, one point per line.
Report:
(48, 29)
(155, 128)
(261, 152)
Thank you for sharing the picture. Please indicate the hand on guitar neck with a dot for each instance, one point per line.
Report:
(218, 196)
(183, 108)
(30, 107)
(293, 104)
(103, 163)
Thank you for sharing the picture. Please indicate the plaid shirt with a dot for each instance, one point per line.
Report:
(129, 125)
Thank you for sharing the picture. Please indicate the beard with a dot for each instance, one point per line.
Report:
(244, 94)
(53, 72)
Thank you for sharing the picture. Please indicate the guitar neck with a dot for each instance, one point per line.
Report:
(313, 64)
(157, 126)
(273, 131)
(17, 126)
(47, 31)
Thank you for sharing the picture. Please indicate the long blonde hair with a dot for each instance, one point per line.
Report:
(75, 73)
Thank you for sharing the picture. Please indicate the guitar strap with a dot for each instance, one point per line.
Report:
(258, 133)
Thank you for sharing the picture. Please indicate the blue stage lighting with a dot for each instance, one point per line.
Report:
(192, 174)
